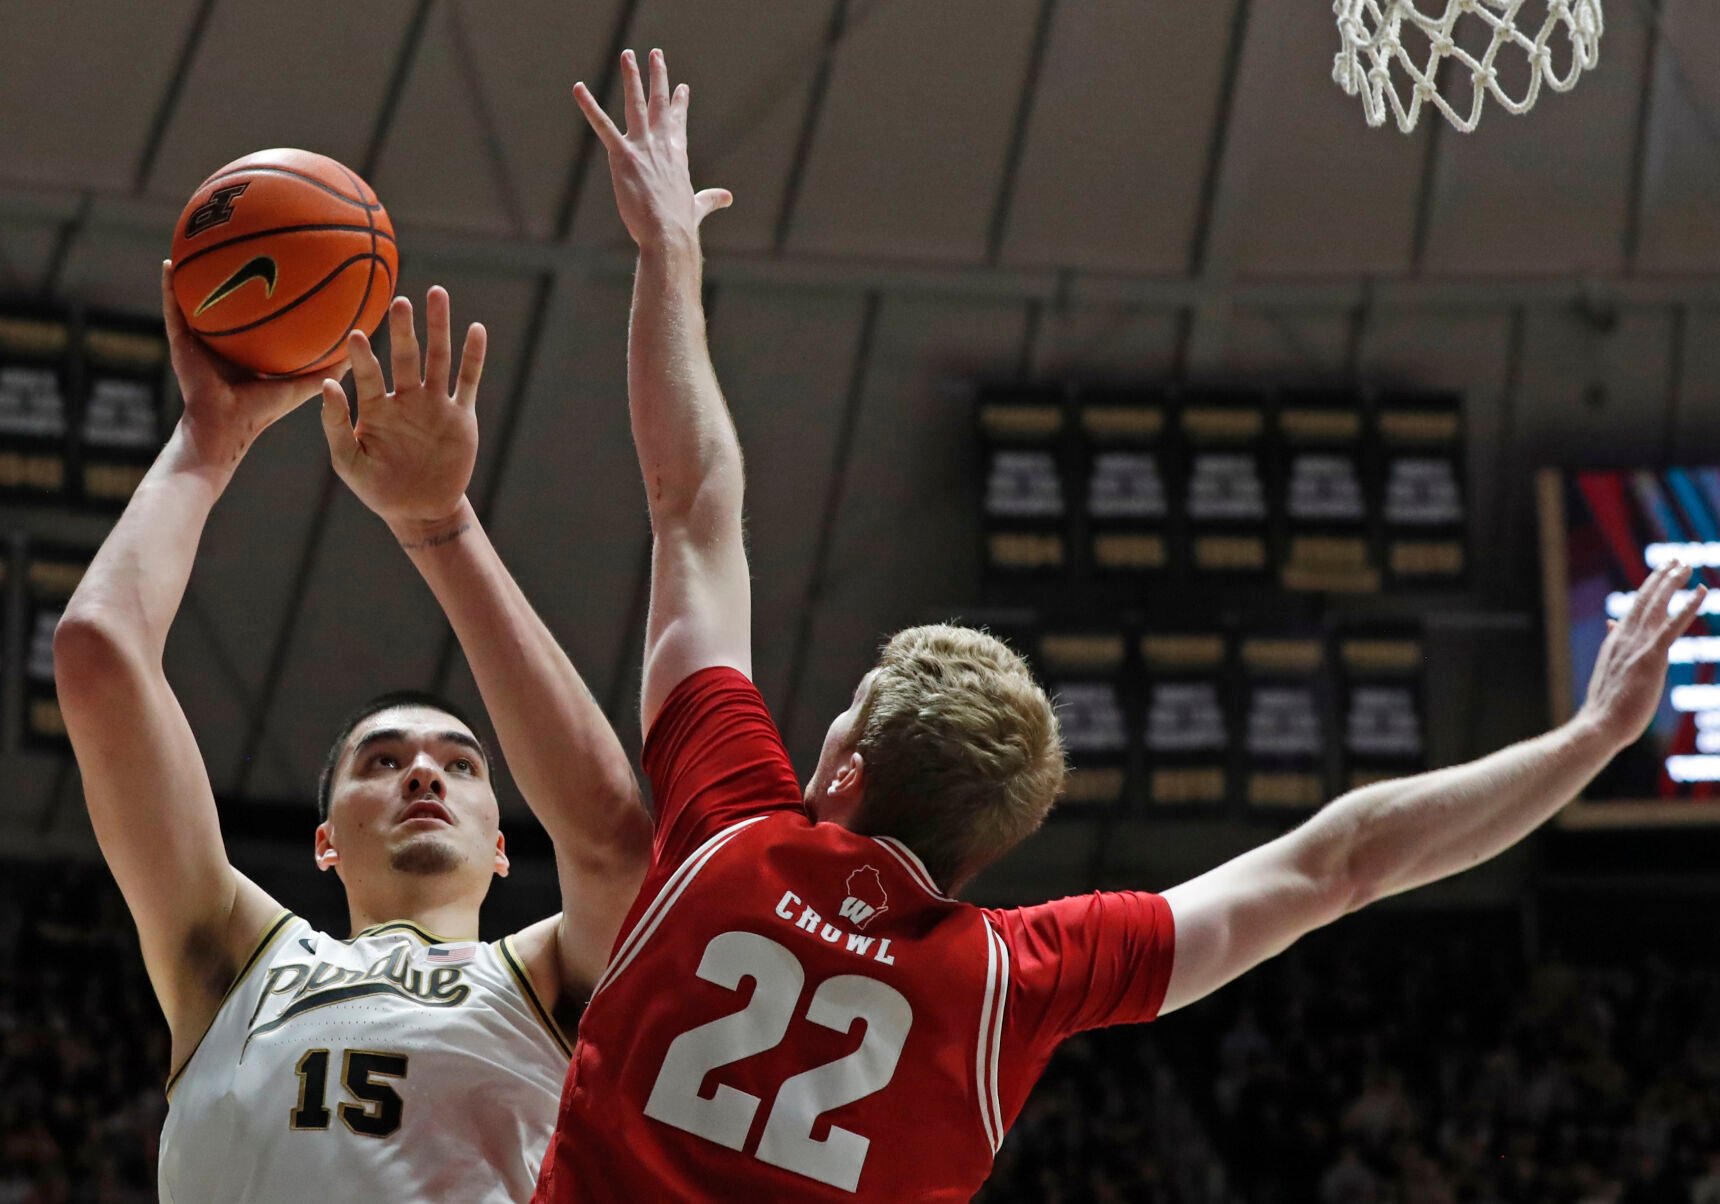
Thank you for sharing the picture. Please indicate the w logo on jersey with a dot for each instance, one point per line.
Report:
(866, 897)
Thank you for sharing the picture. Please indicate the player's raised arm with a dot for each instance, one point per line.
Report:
(410, 459)
(144, 781)
(1394, 836)
(701, 601)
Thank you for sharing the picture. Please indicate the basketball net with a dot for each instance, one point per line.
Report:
(1390, 77)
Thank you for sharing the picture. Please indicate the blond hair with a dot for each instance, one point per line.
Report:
(962, 751)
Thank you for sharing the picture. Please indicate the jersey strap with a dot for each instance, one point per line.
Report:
(991, 1036)
(652, 916)
(506, 948)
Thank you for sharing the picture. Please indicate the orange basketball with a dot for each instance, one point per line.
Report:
(279, 256)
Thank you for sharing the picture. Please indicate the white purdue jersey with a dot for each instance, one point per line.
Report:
(391, 1067)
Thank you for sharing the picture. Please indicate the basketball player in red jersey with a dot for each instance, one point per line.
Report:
(797, 1008)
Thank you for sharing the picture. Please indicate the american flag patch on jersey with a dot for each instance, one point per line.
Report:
(448, 955)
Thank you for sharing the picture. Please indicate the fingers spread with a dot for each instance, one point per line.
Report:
(337, 425)
(402, 345)
(659, 104)
(596, 117)
(439, 354)
(1650, 605)
(366, 369)
(471, 365)
(633, 93)
(1680, 620)
(170, 311)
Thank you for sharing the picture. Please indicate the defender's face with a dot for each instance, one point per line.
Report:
(837, 753)
(412, 794)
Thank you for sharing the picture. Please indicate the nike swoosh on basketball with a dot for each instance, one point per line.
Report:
(261, 268)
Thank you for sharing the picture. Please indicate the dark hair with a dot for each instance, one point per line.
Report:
(383, 702)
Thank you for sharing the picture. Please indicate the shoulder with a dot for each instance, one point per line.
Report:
(1074, 937)
(713, 692)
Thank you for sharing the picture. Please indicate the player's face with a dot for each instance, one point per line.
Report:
(836, 786)
(412, 795)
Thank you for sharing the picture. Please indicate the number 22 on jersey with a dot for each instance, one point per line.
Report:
(727, 1116)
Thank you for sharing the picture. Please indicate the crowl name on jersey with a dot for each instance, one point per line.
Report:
(796, 1011)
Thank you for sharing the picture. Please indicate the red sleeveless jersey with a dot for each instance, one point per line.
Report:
(794, 1011)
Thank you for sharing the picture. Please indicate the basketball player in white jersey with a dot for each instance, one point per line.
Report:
(408, 1061)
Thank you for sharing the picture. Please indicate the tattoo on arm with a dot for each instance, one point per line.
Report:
(435, 541)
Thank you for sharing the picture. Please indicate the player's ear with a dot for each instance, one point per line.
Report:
(327, 857)
(850, 778)
(501, 856)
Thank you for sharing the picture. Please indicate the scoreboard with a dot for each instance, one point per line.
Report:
(1602, 533)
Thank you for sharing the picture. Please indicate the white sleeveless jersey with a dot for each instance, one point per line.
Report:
(391, 1067)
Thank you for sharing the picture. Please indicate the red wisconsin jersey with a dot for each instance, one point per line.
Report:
(794, 1011)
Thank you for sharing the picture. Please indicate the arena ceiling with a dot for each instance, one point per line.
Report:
(925, 191)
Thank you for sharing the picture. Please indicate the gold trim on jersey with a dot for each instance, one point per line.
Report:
(429, 938)
(505, 946)
(270, 935)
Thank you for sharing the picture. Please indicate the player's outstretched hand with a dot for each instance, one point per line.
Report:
(226, 407)
(648, 164)
(1630, 672)
(410, 457)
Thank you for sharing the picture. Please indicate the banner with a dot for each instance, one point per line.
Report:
(51, 573)
(1426, 512)
(1085, 673)
(1026, 492)
(1186, 727)
(124, 370)
(35, 402)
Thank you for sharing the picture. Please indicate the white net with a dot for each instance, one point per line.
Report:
(1375, 64)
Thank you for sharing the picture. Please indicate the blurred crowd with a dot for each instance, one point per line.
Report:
(1400, 1058)
(83, 1049)
(1425, 1062)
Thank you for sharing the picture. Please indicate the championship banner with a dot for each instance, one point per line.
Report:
(1026, 471)
(1084, 672)
(125, 365)
(1126, 498)
(1426, 512)
(1380, 673)
(1284, 728)
(35, 388)
(1324, 500)
(1185, 728)
(1225, 494)
(51, 573)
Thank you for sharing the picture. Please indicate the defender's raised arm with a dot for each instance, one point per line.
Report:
(1394, 836)
(701, 602)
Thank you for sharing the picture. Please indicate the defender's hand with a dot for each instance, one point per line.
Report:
(226, 407)
(648, 164)
(1630, 673)
(410, 457)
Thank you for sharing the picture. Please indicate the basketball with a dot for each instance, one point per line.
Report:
(279, 256)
